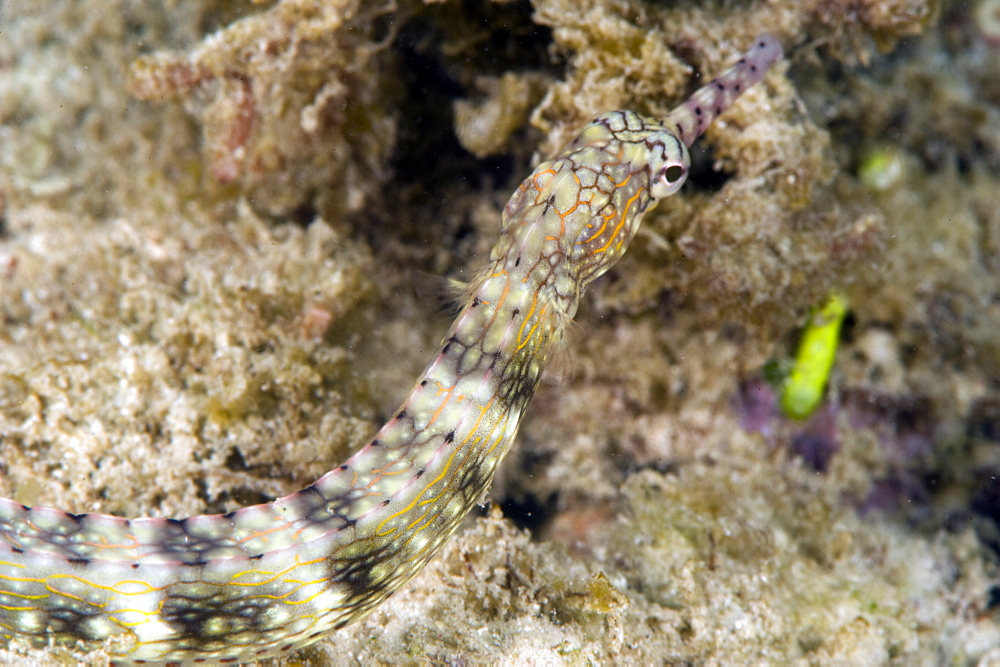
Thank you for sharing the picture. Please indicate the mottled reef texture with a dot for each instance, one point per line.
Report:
(212, 213)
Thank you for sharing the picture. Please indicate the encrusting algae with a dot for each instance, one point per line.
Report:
(205, 311)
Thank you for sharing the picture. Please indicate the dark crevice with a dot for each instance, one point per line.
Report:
(703, 177)
(528, 512)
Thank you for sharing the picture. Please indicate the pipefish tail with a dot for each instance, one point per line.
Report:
(268, 579)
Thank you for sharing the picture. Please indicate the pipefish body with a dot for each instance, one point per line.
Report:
(265, 580)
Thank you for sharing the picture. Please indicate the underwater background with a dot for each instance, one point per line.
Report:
(212, 215)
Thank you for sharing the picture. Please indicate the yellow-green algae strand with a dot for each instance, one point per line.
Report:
(803, 389)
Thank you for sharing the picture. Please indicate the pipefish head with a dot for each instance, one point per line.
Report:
(628, 142)
(622, 163)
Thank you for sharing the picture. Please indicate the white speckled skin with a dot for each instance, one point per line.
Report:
(264, 580)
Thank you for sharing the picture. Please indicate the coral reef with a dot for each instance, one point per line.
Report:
(287, 103)
(211, 217)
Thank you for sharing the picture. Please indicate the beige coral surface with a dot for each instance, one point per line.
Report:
(213, 213)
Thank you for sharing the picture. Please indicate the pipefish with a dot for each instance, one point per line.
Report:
(265, 580)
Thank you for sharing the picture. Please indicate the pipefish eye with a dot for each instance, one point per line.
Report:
(669, 179)
(672, 173)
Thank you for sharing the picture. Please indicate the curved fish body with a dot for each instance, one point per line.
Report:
(265, 580)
